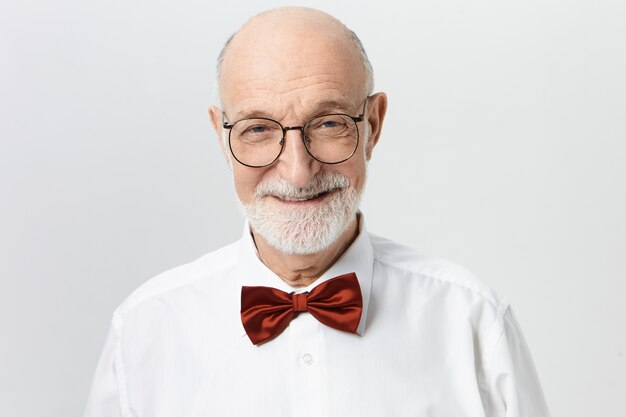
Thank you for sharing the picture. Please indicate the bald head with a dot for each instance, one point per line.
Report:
(287, 36)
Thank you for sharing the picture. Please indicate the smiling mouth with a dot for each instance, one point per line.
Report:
(312, 198)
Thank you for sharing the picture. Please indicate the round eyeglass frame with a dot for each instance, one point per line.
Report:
(355, 119)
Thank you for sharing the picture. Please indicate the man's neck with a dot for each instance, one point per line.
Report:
(302, 270)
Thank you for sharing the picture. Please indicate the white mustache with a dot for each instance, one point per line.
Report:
(320, 184)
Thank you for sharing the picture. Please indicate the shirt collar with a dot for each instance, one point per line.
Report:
(358, 258)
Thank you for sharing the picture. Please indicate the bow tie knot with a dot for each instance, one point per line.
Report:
(299, 302)
(266, 311)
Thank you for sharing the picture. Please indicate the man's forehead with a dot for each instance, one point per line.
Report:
(322, 80)
(288, 60)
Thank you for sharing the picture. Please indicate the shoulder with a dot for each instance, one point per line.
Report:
(427, 269)
(180, 276)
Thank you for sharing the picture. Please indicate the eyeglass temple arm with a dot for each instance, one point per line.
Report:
(225, 124)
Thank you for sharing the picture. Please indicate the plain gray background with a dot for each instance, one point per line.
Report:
(503, 150)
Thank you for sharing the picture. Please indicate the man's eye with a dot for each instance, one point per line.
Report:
(330, 123)
(258, 129)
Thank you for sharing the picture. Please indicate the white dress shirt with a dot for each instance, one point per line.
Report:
(433, 341)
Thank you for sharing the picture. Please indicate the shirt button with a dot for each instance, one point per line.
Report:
(307, 358)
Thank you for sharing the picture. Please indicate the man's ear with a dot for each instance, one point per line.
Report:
(215, 114)
(377, 108)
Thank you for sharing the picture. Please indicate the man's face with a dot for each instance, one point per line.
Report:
(291, 79)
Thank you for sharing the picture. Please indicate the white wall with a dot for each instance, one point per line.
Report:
(503, 150)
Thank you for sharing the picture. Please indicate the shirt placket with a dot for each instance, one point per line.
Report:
(308, 358)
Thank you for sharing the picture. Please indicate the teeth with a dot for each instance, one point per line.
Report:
(300, 198)
(305, 198)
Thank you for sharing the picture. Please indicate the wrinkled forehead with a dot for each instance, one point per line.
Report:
(291, 62)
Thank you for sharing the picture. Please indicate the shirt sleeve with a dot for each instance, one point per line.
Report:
(104, 397)
(510, 386)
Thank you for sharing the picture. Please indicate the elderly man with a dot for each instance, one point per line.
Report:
(308, 314)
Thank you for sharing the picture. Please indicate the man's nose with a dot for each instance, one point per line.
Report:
(295, 164)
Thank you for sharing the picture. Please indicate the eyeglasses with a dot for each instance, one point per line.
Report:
(329, 138)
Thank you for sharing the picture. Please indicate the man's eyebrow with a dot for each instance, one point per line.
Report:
(335, 105)
(251, 113)
(321, 107)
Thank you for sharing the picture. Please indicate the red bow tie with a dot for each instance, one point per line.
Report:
(266, 312)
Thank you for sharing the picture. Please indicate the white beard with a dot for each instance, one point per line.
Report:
(302, 230)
